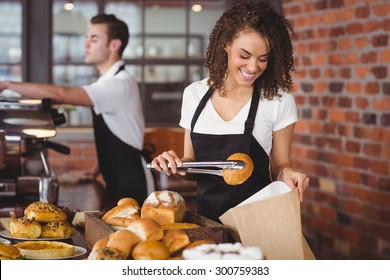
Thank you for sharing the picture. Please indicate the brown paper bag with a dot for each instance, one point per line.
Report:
(272, 223)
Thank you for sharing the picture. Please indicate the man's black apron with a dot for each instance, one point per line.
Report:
(214, 196)
(119, 163)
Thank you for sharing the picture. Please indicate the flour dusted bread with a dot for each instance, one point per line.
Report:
(45, 249)
(44, 212)
(25, 228)
(223, 251)
(165, 207)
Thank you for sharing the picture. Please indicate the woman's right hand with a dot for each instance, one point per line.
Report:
(160, 163)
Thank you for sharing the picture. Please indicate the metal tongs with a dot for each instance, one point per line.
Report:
(207, 167)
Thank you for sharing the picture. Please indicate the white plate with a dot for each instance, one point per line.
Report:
(78, 252)
(5, 241)
(7, 234)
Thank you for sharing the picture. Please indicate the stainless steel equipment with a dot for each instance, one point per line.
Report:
(25, 126)
(207, 167)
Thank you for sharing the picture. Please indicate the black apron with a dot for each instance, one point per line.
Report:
(214, 196)
(119, 163)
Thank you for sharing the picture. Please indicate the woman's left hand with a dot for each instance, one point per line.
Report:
(295, 180)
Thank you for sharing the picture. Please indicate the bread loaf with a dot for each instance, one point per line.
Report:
(56, 229)
(146, 228)
(165, 207)
(25, 228)
(44, 212)
(150, 250)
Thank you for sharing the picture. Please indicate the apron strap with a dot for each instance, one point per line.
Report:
(250, 122)
(200, 107)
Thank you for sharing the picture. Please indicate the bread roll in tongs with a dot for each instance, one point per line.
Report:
(235, 170)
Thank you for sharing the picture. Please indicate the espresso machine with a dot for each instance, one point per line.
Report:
(25, 174)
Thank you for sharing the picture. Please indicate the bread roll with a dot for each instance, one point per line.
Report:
(9, 252)
(128, 200)
(146, 228)
(101, 243)
(121, 211)
(150, 250)
(238, 176)
(25, 228)
(45, 249)
(56, 229)
(123, 240)
(165, 207)
(175, 240)
(122, 222)
(44, 212)
(106, 253)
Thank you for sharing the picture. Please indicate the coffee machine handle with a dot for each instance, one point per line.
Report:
(57, 147)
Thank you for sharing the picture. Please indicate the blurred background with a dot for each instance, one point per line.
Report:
(342, 88)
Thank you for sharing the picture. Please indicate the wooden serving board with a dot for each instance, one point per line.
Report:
(96, 229)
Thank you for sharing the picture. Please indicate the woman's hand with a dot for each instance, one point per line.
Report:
(160, 162)
(295, 180)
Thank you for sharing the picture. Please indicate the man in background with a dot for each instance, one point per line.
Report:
(118, 119)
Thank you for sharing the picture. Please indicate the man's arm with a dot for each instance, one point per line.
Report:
(59, 94)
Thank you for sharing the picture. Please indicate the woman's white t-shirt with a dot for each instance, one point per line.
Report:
(272, 115)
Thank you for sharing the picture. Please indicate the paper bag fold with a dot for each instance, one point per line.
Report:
(273, 224)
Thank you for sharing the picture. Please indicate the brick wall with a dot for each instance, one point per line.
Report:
(342, 140)
(82, 157)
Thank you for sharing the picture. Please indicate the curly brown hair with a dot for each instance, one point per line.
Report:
(263, 19)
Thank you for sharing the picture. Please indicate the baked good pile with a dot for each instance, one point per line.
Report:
(41, 220)
(153, 232)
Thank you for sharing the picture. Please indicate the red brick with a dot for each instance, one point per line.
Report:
(362, 12)
(381, 10)
(380, 167)
(353, 146)
(361, 163)
(336, 115)
(384, 56)
(352, 176)
(354, 28)
(382, 104)
(380, 134)
(362, 71)
(373, 150)
(372, 88)
(352, 117)
(372, 26)
(336, 59)
(362, 42)
(362, 103)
